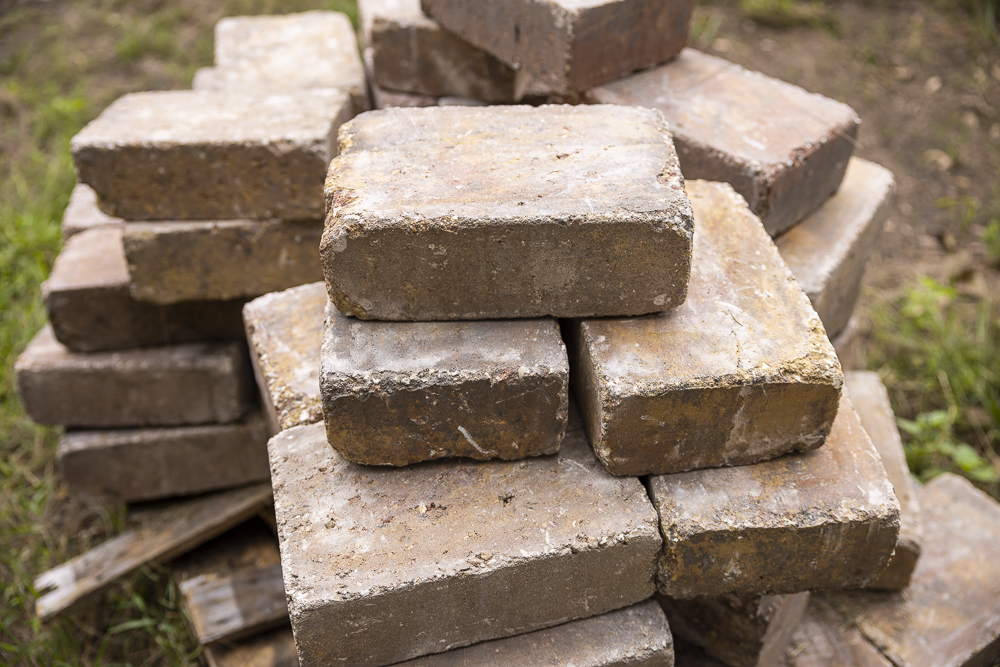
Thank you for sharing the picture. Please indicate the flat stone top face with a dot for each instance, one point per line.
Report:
(458, 166)
(714, 102)
(82, 212)
(92, 258)
(393, 12)
(348, 530)
(745, 318)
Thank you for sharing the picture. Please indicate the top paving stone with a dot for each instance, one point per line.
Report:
(206, 154)
(506, 212)
(570, 45)
(784, 149)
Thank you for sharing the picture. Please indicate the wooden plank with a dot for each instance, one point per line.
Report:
(236, 606)
(271, 649)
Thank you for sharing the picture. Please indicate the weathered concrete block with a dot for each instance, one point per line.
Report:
(132, 465)
(949, 616)
(506, 212)
(387, 99)
(871, 400)
(169, 262)
(383, 565)
(741, 631)
(823, 639)
(742, 372)
(569, 45)
(184, 154)
(783, 149)
(285, 332)
(396, 393)
(828, 250)
(82, 213)
(91, 309)
(848, 345)
(198, 383)
(817, 520)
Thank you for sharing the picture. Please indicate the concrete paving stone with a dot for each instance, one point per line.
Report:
(285, 332)
(823, 639)
(741, 631)
(91, 309)
(569, 45)
(396, 393)
(871, 400)
(387, 99)
(506, 212)
(82, 213)
(196, 383)
(742, 372)
(383, 565)
(184, 154)
(949, 615)
(170, 262)
(823, 519)
(131, 465)
(829, 249)
(848, 345)
(783, 149)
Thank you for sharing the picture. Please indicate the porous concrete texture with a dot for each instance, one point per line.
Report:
(396, 393)
(82, 213)
(570, 45)
(741, 631)
(949, 615)
(825, 519)
(382, 565)
(783, 149)
(130, 465)
(829, 249)
(184, 154)
(285, 332)
(506, 212)
(871, 400)
(169, 262)
(848, 345)
(636, 636)
(740, 373)
(91, 309)
(413, 54)
(824, 639)
(197, 383)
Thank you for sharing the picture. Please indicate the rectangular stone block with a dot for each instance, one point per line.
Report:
(132, 465)
(382, 565)
(783, 149)
(871, 400)
(197, 383)
(569, 45)
(949, 616)
(848, 345)
(170, 262)
(742, 372)
(506, 212)
(82, 213)
(823, 639)
(823, 519)
(828, 250)
(183, 154)
(741, 631)
(396, 393)
(91, 309)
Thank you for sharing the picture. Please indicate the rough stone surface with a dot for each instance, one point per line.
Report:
(413, 54)
(169, 262)
(396, 393)
(130, 465)
(82, 213)
(741, 631)
(742, 372)
(91, 309)
(783, 149)
(828, 250)
(285, 332)
(197, 383)
(506, 212)
(823, 639)
(871, 400)
(818, 520)
(570, 45)
(949, 616)
(184, 154)
(383, 565)
(848, 345)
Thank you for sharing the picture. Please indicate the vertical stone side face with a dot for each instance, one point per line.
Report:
(385, 565)
(741, 373)
(824, 638)
(82, 213)
(848, 345)
(783, 149)
(828, 250)
(825, 519)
